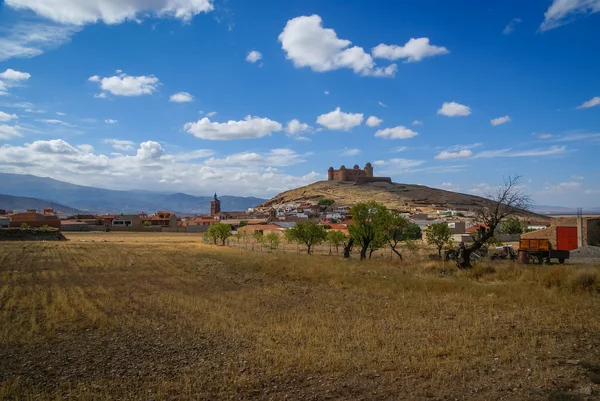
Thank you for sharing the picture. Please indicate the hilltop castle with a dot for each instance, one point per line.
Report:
(356, 174)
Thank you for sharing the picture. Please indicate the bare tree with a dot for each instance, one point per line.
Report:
(506, 201)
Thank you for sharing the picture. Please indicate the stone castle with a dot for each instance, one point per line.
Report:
(356, 174)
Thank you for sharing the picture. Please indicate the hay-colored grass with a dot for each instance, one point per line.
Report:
(163, 316)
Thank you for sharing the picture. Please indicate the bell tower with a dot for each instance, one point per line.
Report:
(215, 206)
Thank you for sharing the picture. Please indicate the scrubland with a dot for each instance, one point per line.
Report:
(114, 316)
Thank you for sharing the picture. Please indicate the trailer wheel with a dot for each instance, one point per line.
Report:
(561, 261)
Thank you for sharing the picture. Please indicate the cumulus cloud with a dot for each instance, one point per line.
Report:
(125, 85)
(373, 121)
(295, 129)
(339, 121)
(80, 12)
(399, 132)
(30, 39)
(12, 75)
(9, 132)
(120, 144)
(461, 154)
(181, 97)
(510, 27)
(248, 128)
(253, 56)
(414, 50)
(110, 121)
(500, 120)
(453, 109)
(562, 12)
(153, 167)
(273, 158)
(595, 101)
(307, 44)
(4, 117)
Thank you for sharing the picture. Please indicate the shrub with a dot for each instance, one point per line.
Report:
(326, 202)
(586, 281)
(24, 226)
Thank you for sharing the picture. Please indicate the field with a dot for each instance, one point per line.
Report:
(164, 316)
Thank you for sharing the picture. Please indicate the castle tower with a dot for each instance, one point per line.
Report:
(330, 174)
(343, 173)
(369, 170)
(215, 206)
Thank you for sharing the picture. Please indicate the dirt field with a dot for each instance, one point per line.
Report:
(163, 316)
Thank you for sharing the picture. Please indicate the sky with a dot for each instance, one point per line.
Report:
(251, 97)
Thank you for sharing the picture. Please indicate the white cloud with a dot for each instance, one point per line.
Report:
(404, 163)
(120, 144)
(295, 127)
(211, 113)
(3, 89)
(553, 150)
(592, 191)
(577, 137)
(307, 44)
(400, 132)
(595, 101)
(273, 158)
(4, 117)
(125, 85)
(35, 111)
(340, 121)
(453, 109)
(417, 122)
(326, 92)
(544, 135)
(85, 148)
(382, 104)
(29, 39)
(248, 128)
(414, 50)
(350, 152)
(576, 177)
(181, 97)
(58, 113)
(448, 186)
(80, 12)
(8, 132)
(193, 155)
(379, 163)
(562, 188)
(253, 56)
(510, 28)
(54, 146)
(399, 149)
(153, 167)
(373, 121)
(54, 121)
(100, 95)
(562, 12)
(500, 120)
(110, 121)
(461, 154)
(12, 75)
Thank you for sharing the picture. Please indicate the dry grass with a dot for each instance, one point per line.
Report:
(166, 317)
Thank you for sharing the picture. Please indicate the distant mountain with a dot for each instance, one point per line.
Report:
(555, 210)
(106, 200)
(393, 195)
(9, 202)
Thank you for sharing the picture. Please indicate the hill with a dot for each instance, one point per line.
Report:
(107, 200)
(393, 196)
(9, 202)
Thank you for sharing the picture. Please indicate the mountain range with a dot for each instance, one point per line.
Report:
(98, 200)
(9, 202)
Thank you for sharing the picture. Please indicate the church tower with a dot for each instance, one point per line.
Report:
(215, 206)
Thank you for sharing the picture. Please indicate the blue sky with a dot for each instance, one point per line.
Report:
(255, 97)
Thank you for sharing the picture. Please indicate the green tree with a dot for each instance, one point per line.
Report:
(24, 226)
(369, 220)
(219, 231)
(243, 223)
(272, 239)
(258, 236)
(439, 235)
(398, 229)
(326, 202)
(511, 225)
(147, 223)
(308, 233)
(336, 238)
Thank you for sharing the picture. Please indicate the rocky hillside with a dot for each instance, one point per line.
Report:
(394, 196)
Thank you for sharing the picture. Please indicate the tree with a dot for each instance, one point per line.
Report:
(308, 233)
(336, 238)
(272, 239)
(243, 223)
(506, 201)
(511, 225)
(24, 226)
(439, 235)
(326, 202)
(147, 223)
(219, 231)
(398, 229)
(369, 222)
